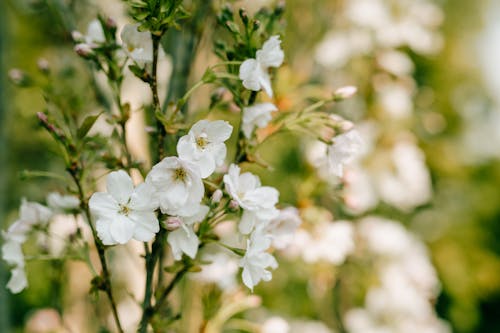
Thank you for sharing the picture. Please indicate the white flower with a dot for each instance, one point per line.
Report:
(254, 72)
(137, 44)
(95, 33)
(221, 270)
(18, 280)
(331, 242)
(343, 150)
(124, 212)
(282, 228)
(12, 253)
(257, 115)
(257, 260)
(183, 239)
(177, 183)
(204, 145)
(257, 201)
(30, 214)
(275, 325)
(60, 202)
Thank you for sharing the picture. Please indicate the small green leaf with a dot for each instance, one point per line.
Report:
(86, 126)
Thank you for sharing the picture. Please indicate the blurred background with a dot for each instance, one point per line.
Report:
(428, 106)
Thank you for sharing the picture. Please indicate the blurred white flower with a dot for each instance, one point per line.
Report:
(123, 212)
(282, 228)
(256, 261)
(331, 242)
(254, 72)
(18, 280)
(30, 215)
(183, 239)
(258, 115)
(359, 193)
(257, 201)
(396, 62)
(12, 253)
(221, 270)
(95, 33)
(59, 202)
(396, 99)
(137, 44)
(344, 149)
(275, 325)
(204, 145)
(177, 183)
(408, 185)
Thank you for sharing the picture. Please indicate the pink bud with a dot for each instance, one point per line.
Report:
(345, 92)
(172, 223)
(233, 205)
(217, 196)
(77, 36)
(83, 50)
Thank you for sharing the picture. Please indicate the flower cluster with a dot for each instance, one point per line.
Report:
(32, 216)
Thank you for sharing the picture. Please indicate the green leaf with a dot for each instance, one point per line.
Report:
(86, 126)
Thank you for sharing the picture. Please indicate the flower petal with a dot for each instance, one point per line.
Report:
(120, 186)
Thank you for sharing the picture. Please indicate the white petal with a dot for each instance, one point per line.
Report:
(265, 82)
(103, 231)
(121, 229)
(12, 253)
(250, 74)
(218, 131)
(271, 54)
(103, 205)
(18, 281)
(146, 225)
(247, 222)
(120, 186)
(143, 198)
(183, 241)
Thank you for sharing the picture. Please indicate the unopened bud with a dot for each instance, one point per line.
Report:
(344, 93)
(243, 16)
(172, 223)
(77, 36)
(19, 77)
(84, 50)
(217, 196)
(256, 25)
(43, 65)
(110, 23)
(234, 205)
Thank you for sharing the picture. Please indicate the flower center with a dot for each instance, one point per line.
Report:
(124, 210)
(180, 175)
(202, 141)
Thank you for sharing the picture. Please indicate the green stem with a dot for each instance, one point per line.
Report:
(106, 276)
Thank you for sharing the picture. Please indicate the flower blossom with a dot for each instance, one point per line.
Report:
(124, 212)
(183, 239)
(31, 214)
(137, 44)
(204, 145)
(282, 228)
(254, 72)
(177, 183)
(258, 202)
(257, 115)
(343, 150)
(60, 202)
(257, 260)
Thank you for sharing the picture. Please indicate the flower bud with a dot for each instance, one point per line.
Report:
(19, 78)
(77, 36)
(172, 223)
(233, 205)
(110, 23)
(344, 93)
(217, 196)
(43, 65)
(84, 50)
